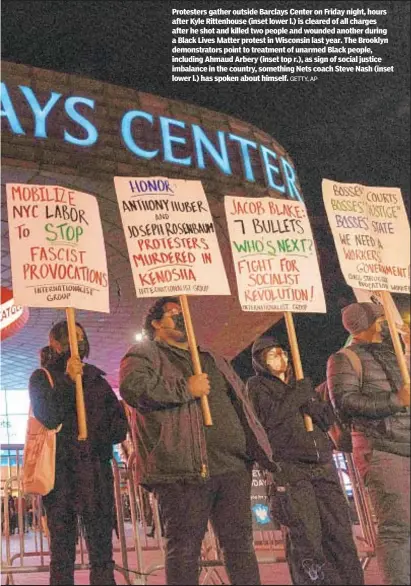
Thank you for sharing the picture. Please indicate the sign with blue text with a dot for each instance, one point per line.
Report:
(181, 143)
(171, 239)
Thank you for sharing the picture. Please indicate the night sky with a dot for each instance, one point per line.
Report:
(352, 128)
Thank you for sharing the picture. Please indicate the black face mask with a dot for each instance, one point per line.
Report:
(55, 356)
(82, 348)
(179, 322)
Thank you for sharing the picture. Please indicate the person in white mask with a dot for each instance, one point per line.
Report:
(306, 496)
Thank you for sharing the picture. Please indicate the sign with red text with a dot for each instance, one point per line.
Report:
(274, 255)
(371, 233)
(170, 236)
(58, 258)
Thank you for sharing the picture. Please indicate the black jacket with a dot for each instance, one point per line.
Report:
(373, 408)
(170, 432)
(279, 407)
(106, 419)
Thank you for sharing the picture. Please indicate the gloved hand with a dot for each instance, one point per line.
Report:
(304, 388)
(320, 412)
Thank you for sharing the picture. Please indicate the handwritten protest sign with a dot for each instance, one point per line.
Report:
(170, 236)
(274, 255)
(57, 249)
(371, 234)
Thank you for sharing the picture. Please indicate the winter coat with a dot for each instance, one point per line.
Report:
(82, 467)
(170, 433)
(373, 408)
(279, 407)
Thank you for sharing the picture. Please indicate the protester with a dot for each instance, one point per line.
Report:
(30, 514)
(84, 480)
(13, 519)
(307, 497)
(378, 408)
(197, 473)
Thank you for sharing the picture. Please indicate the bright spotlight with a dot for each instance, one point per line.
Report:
(139, 337)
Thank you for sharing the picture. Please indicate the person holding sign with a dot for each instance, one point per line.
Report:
(84, 480)
(306, 496)
(197, 473)
(377, 404)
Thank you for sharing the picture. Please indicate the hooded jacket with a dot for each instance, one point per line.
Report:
(279, 408)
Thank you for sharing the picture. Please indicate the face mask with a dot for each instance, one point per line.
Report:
(385, 331)
(66, 353)
(82, 348)
(53, 356)
(179, 322)
(277, 362)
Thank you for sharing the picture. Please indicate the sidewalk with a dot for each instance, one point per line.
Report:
(270, 573)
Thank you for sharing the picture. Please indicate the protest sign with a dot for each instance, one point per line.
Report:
(58, 257)
(274, 255)
(170, 236)
(371, 234)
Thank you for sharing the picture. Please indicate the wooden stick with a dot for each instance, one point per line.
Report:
(81, 410)
(295, 352)
(386, 298)
(205, 407)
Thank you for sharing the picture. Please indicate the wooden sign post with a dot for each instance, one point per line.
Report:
(275, 262)
(195, 357)
(81, 410)
(385, 296)
(177, 268)
(295, 353)
(55, 265)
(384, 246)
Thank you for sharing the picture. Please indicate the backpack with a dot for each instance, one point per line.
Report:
(340, 431)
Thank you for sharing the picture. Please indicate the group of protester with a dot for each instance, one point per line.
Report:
(200, 473)
(30, 516)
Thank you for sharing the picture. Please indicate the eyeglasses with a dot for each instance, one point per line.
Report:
(172, 312)
(278, 352)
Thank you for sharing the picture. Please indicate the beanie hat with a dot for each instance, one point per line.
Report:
(358, 317)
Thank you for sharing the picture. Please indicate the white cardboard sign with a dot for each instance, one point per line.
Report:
(171, 238)
(274, 255)
(371, 233)
(58, 258)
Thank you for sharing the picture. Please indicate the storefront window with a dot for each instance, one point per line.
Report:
(14, 408)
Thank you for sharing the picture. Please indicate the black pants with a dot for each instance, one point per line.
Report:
(98, 527)
(185, 510)
(320, 548)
